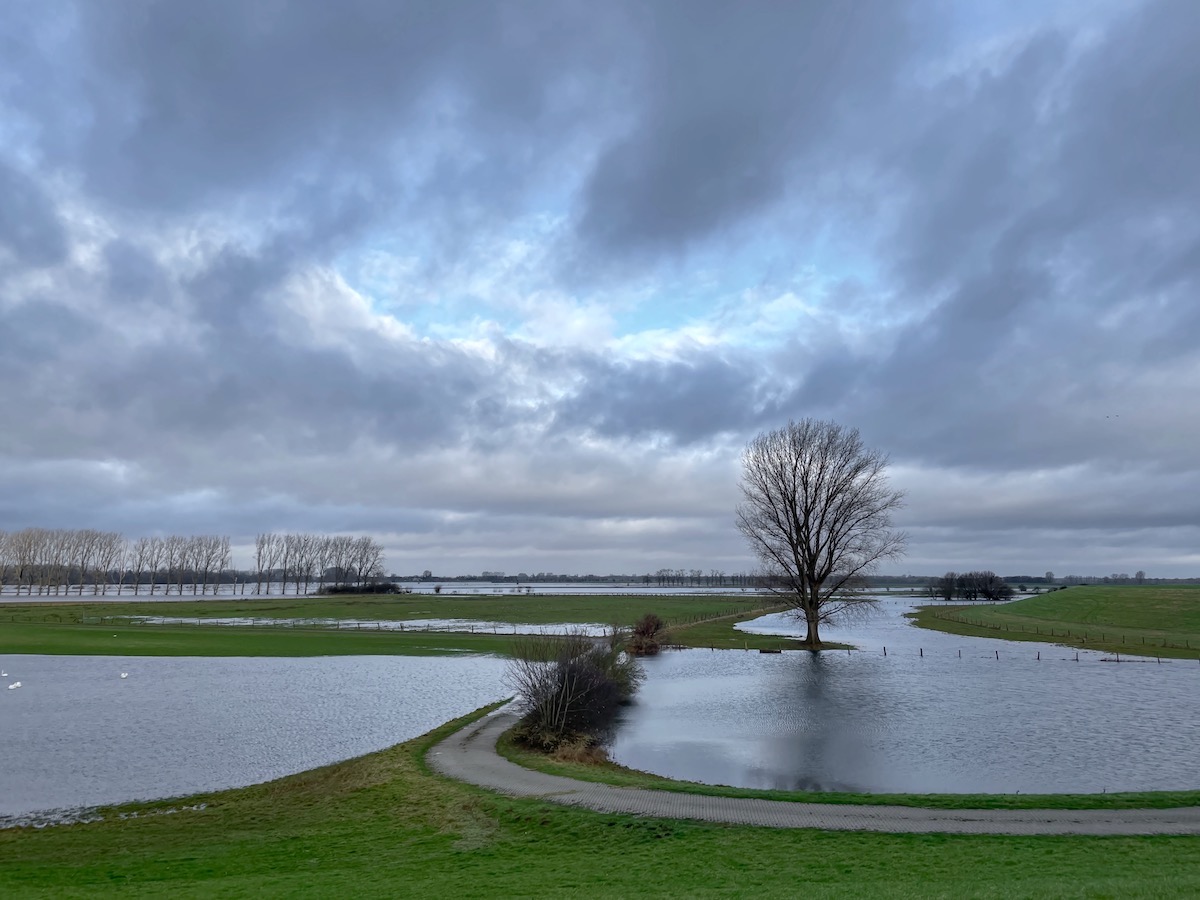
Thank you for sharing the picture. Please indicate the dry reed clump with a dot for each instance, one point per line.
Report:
(588, 753)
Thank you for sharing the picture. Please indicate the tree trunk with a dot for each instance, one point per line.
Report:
(812, 640)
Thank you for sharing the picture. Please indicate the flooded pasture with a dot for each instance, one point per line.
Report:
(938, 713)
(87, 730)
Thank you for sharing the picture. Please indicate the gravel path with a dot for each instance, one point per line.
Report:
(470, 755)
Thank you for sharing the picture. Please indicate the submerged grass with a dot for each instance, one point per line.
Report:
(1134, 620)
(383, 826)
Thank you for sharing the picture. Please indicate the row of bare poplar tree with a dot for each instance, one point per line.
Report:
(54, 561)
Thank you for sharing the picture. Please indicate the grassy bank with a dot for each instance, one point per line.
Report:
(383, 826)
(611, 773)
(719, 634)
(1145, 620)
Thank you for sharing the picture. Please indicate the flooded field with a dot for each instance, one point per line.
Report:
(938, 713)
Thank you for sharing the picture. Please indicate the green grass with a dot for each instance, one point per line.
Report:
(1144, 620)
(611, 773)
(512, 608)
(719, 634)
(212, 640)
(89, 628)
(383, 826)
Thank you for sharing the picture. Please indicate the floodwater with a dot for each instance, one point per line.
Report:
(471, 626)
(70, 593)
(76, 733)
(922, 719)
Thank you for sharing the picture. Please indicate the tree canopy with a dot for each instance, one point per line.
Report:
(817, 511)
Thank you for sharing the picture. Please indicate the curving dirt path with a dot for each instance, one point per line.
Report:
(470, 755)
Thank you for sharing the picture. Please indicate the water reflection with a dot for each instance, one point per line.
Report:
(77, 734)
(907, 722)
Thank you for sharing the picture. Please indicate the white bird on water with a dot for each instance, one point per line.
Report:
(124, 674)
(15, 684)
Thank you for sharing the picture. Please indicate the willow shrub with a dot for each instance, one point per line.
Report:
(570, 687)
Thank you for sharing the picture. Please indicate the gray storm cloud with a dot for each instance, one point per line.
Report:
(186, 190)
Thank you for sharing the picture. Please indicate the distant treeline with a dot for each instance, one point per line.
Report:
(53, 561)
(661, 578)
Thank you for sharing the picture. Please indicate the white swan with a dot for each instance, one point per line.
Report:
(124, 674)
(15, 684)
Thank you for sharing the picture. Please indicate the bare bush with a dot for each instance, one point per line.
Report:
(569, 687)
(646, 637)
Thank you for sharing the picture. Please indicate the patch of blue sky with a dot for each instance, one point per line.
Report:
(505, 281)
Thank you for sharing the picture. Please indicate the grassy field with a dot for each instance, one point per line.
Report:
(104, 628)
(532, 609)
(611, 773)
(384, 826)
(1145, 620)
(211, 640)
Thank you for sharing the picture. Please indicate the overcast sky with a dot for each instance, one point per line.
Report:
(510, 285)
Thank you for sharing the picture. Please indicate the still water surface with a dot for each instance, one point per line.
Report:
(77, 734)
(911, 723)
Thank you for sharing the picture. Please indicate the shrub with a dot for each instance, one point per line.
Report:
(387, 588)
(570, 687)
(645, 639)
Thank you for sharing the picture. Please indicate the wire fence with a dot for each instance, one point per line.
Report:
(1083, 637)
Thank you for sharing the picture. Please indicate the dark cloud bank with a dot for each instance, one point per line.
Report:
(1017, 211)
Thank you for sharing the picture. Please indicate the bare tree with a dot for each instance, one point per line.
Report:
(211, 558)
(343, 558)
(946, 586)
(322, 554)
(308, 551)
(175, 558)
(56, 555)
(22, 548)
(84, 544)
(266, 551)
(982, 585)
(139, 562)
(367, 560)
(817, 511)
(110, 556)
(6, 558)
(222, 556)
(287, 545)
(156, 559)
